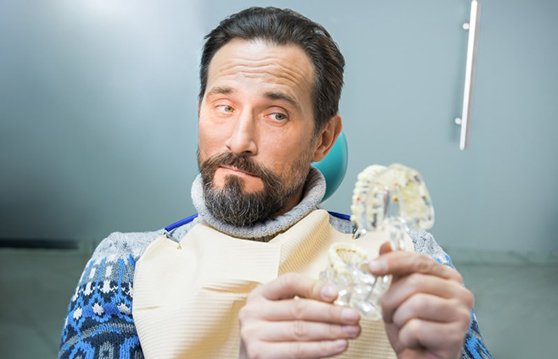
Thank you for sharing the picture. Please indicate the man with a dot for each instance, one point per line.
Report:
(240, 279)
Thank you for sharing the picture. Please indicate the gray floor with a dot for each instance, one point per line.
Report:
(516, 304)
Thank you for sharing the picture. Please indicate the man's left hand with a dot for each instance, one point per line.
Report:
(427, 309)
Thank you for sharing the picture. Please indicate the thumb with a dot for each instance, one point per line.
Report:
(385, 248)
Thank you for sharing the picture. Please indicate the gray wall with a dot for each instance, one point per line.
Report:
(98, 112)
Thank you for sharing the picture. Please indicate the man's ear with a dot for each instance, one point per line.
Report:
(327, 137)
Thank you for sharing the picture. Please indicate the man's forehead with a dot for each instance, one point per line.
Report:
(283, 65)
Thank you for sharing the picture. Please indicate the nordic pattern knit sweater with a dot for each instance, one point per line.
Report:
(99, 322)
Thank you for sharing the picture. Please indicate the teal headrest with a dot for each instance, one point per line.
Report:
(334, 165)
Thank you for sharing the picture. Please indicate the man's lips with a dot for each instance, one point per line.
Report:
(237, 170)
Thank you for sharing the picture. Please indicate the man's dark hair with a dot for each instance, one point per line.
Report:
(284, 27)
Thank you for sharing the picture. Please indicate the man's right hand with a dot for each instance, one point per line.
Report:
(294, 317)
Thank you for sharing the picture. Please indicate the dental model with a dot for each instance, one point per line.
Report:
(393, 199)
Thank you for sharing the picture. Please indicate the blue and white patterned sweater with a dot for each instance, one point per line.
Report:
(99, 322)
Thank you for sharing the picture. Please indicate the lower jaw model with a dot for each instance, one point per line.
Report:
(392, 199)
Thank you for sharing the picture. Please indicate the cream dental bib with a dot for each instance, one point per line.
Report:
(187, 295)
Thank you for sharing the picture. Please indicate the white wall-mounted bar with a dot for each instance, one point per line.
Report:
(464, 120)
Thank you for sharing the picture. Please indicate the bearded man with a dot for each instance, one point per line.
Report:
(240, 278)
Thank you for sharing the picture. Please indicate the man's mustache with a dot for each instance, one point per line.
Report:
(242, 163)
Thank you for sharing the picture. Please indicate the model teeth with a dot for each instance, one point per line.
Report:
(378, 187)
(394, 199)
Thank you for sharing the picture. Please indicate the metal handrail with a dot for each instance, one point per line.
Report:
(464, 120)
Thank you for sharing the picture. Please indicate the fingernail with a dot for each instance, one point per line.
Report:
(340, 344)
(349, 315)
(351, 330)
(329, 292)
(377, 265)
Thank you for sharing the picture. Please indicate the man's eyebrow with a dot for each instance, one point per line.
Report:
(219, 91)
(273, 95)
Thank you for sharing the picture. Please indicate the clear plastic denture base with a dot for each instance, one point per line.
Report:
(392, 199)
(348, 272)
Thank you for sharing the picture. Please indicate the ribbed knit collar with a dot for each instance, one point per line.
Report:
(314, 190)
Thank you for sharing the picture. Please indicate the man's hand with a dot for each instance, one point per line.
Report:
(293, 317)
(427, 309)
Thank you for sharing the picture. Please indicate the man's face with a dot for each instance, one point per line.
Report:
(256, 130)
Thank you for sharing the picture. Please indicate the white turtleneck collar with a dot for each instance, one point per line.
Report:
(314, 190)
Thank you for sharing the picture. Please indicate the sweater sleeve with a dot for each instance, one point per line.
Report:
(99, 322)
(474, 347)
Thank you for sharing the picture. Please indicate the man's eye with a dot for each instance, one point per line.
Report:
(278, 116)
(225, 108)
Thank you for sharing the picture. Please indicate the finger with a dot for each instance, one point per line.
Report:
(385, 248)
(305, 331)
(296, 285)
(419, 334)
(302, 309)
(402, 289)
(401, 263)
(431, 308)
(306, 350)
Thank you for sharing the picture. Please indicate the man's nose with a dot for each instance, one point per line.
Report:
(243, 137)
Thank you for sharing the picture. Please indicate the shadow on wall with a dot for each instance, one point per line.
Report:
(36, 206)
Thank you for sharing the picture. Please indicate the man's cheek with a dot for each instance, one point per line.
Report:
(209, 143)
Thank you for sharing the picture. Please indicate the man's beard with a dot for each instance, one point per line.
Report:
(232, 205)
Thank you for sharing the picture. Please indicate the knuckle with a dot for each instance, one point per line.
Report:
(457, 275)
(333, 331)
(419, 303)
(466, 319)
(385, 314)
(248, 332)
(254, 295)
(464, 296)
(469, 299)
(297, 350)
(384, 301)
(462, 315)
(399, 319)
(298, 309)
(416, 280)
(299, 330)
(415, 329)
(242, 315)
(410, 332)
(458, 335)
(425, 264)
(411, 309)
(246, 313)
(245, 333)
(386, 306)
